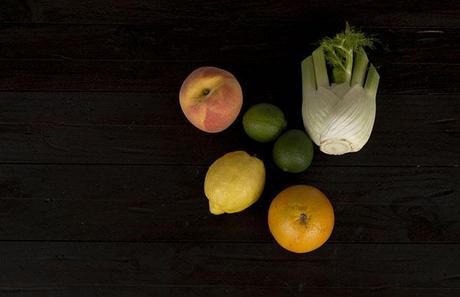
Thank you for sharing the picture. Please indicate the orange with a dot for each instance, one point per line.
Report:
(301, 218)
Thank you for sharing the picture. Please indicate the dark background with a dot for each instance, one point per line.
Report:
(101, 175)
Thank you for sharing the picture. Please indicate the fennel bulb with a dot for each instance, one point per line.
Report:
(339, 117)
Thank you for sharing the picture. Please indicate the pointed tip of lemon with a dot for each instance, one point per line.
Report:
(214, 209)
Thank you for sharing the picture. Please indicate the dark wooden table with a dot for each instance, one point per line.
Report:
(101, 175)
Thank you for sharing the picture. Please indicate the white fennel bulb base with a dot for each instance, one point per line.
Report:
(339, 117)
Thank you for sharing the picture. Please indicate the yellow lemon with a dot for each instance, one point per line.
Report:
(234, 182)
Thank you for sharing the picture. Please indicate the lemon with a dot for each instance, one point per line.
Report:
(264, 122)
(293, 151)
(234, 182)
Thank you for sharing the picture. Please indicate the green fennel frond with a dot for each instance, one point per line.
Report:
(337, 50)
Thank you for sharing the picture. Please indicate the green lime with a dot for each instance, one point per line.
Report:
(264, 122)
(293, 151)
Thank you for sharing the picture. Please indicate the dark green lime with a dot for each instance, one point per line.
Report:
(293, 151)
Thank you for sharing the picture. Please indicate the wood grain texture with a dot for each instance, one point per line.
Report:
(101, 175)
(167, 76)
(238, 42)
(143, 128)
(145, 203)
(362, 12)
(409, 113)
(158, 145)
(38, 264)
(230, 291)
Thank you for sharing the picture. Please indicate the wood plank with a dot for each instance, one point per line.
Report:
(390, 185)
(388, 266)
(151, 220)
(164, 77)
(230, 291)
(114, 109)
(191, 42)
(187, 145)
(145, 203)
(420, 113)
(362, 12)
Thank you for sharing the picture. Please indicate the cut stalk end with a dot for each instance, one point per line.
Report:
(336, 146)
(319, 63)
(359, 68)
(308, 75)
(372, 81)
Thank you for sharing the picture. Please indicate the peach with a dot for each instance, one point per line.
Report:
(211, 98)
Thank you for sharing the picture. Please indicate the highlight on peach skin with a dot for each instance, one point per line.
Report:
(211, 98)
